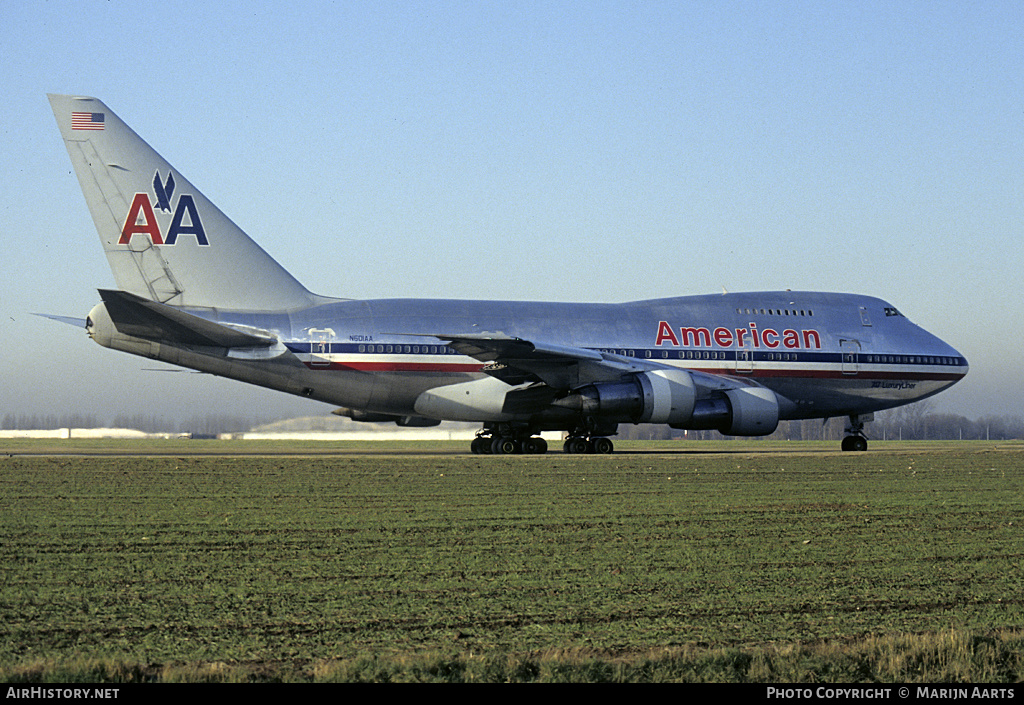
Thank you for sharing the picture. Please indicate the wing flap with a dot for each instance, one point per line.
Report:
(488, 347)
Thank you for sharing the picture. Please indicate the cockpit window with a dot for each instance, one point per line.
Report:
(891, 311)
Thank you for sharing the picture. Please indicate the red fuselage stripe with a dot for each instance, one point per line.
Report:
(761, 372)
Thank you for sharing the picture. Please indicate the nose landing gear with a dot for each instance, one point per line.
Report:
(856, 440)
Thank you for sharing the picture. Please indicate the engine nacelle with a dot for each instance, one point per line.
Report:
(745, 411)
(669, 396)
(661, 396)
(755, 411)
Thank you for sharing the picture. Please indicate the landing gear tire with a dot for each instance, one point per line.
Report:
(857, 444)
(855, 439)
(504, 445)
(577, 446)
(603, 446)
(535, 446)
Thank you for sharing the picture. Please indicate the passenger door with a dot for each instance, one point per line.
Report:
(850, 351)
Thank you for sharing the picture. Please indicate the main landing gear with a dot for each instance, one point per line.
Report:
(580, 445)
(490, 442)
(502, 439)
(856, 440)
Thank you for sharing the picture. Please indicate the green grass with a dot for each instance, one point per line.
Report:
(720, 561)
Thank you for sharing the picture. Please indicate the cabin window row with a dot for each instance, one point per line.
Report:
(775, 311)
(911, 359)
(692, 354)
(409, 349)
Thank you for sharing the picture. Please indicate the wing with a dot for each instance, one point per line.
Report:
(516, 361)
(549, 375)
(560, 368)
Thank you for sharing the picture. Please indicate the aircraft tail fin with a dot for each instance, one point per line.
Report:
(164, 240)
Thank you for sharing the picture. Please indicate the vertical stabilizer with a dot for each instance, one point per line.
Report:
(164, 240)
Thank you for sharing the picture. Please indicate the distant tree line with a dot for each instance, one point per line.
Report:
(915, 422)
(920, 422)
(208, 425)
(909, 423)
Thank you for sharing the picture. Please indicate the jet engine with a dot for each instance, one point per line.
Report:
(743, 411)
(661, 396)
(669, 397)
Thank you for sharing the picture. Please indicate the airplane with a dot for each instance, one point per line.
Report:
(195, 291)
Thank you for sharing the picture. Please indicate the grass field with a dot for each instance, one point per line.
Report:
(702, 561)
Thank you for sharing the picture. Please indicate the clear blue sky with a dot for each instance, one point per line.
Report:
(533, 150)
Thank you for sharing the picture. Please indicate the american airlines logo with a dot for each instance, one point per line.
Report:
(141, 218)
(749, 337)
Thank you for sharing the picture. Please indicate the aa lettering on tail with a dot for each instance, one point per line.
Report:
(142, 220)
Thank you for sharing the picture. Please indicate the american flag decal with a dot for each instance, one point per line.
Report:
(86, 121)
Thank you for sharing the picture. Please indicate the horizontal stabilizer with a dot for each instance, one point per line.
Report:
(141, 318)
(70, 320)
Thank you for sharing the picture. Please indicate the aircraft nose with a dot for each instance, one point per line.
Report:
(952, 360)
(959, 359)
(964, 363)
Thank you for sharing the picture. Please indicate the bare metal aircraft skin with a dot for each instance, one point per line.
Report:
(195, 291)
